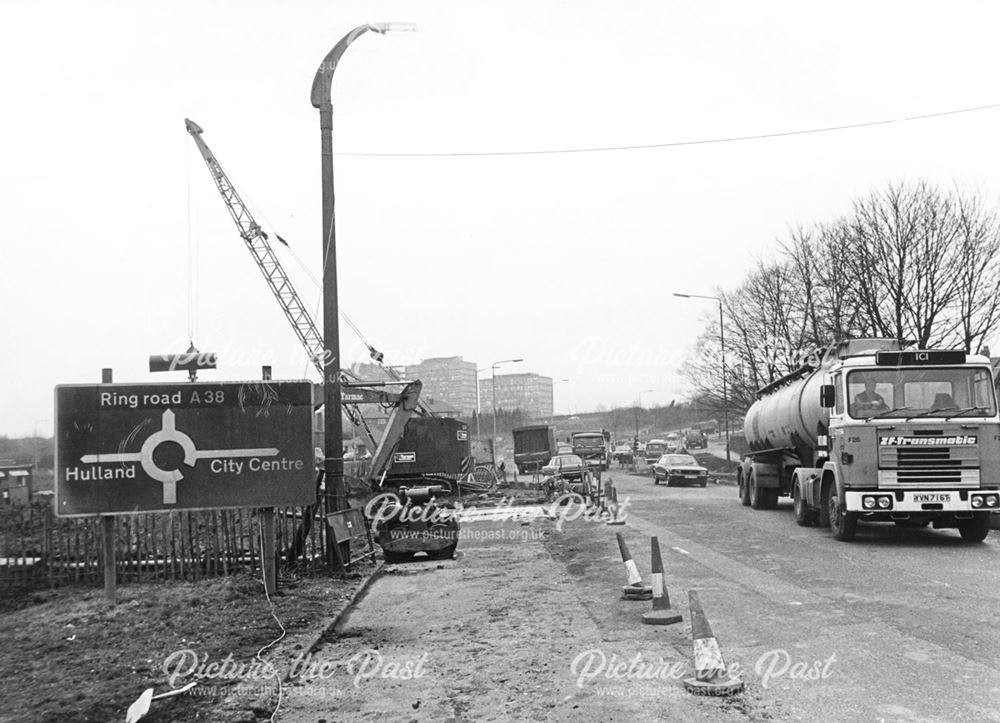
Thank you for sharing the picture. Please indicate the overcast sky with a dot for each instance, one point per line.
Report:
(565, 259)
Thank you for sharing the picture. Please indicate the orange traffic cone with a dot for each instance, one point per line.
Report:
(615, 520)
(711, 676)
(635, 590)
(661, 614)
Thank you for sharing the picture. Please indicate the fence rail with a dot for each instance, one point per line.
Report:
(38, 549)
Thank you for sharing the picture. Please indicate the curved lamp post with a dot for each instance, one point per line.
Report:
(722, 345)
(333, 424)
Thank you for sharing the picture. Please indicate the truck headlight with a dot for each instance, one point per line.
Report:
(977, 501)
(885, 502)
(868, 503)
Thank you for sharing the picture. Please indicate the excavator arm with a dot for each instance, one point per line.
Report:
(257, 241)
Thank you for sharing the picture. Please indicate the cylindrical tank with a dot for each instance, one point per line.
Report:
(787, 417)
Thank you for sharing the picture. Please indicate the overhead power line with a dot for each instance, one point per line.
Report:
(676, 144)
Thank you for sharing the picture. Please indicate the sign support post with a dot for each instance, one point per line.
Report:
(108, 536)
(269, 561)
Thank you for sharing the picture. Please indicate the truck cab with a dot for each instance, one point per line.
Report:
(879, 435)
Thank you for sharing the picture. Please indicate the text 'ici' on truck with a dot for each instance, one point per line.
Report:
(873, 433)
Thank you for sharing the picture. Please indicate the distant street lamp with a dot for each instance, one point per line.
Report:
(320, 97)
(493, 367)
(554, 400)
(638, 410)
(722, 345)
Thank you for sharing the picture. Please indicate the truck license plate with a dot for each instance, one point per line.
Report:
(936, 497)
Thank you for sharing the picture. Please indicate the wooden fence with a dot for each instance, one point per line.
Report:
(38, 549)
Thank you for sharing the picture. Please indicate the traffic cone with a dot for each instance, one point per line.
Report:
(635, 590)
(661, 614)
(711, 676)
(614, 509)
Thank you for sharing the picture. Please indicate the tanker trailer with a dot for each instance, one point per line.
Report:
(877, 434)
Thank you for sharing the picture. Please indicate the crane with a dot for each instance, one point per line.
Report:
(259, 245)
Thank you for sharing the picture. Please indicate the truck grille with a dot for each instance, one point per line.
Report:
(927, 458)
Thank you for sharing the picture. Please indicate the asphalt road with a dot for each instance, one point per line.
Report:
(900, 620)
(528, 623)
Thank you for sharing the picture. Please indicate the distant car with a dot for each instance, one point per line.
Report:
(568, 466)
(674, 443)
(695, 439)
(623, 453)
(655, 448)
(564, 449)
(680, 469)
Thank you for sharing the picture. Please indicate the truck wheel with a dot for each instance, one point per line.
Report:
(758, 497)
(804, 517)
(823, 514)
(392, 558)
(744, 492)
(843, 523)
(976, 529)
(704, 482)
(656, 480)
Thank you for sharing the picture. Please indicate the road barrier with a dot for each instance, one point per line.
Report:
(661, 614)
(711, 676)
(635, 590)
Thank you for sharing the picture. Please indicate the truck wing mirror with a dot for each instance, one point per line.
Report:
(827, 396)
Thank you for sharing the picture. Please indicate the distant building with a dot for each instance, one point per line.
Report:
(15, 483)
(531, 393)
(450, 382)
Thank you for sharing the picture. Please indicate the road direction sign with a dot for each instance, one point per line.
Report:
(183, 446)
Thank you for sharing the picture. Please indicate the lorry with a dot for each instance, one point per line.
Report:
(534, 446)
(592, 448)
(868, 431)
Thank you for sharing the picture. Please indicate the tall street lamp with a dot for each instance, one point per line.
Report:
(722, 346)
(334, 429)
(493, 367)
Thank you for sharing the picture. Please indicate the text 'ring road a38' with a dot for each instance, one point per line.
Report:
(170, 477)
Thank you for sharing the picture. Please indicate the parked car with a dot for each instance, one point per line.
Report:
(679, 468)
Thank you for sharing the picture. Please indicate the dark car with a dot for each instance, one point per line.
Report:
(679, 469)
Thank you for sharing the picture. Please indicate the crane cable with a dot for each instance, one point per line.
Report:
(298, 260)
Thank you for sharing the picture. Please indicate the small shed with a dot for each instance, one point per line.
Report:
(15, 483)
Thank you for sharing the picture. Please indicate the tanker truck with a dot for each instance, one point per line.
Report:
(868, 431)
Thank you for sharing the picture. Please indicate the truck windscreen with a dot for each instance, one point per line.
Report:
(920, 391)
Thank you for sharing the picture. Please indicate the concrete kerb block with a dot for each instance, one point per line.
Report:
(316, 639)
